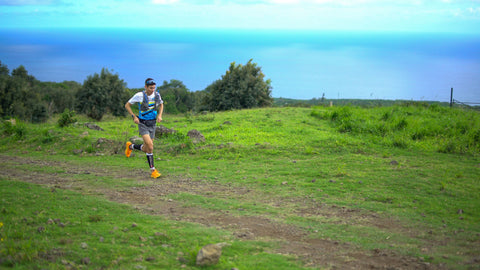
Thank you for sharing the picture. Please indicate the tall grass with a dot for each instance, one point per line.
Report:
(432, 127)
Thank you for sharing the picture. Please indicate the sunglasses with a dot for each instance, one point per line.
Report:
(150, 82)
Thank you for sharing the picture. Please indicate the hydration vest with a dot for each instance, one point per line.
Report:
(145, 108)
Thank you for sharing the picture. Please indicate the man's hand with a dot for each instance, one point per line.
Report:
(129, 110)
(159, 118)
(136, 120)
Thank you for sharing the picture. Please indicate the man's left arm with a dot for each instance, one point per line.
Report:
(160, 112)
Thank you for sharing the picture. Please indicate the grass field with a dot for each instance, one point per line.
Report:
(285, 188)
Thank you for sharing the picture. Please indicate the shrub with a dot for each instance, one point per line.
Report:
(67, 118)
(8, 128)
(17, 129)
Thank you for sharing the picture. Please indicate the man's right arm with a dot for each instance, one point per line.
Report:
(129, 110)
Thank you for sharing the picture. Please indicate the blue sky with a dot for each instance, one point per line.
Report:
(350, 15)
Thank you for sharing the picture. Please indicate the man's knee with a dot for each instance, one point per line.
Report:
(148, 146)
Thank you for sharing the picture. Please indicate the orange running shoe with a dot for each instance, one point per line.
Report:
(155, 174)
(128, 151)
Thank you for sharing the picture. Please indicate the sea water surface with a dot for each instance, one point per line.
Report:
(300, 64)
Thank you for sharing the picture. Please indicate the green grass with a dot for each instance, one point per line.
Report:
(414, 165)
(41, 229)
(437, 128)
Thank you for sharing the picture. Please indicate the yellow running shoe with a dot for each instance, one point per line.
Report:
(155, 174)
(128, 151)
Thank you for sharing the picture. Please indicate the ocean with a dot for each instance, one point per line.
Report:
(300, 64)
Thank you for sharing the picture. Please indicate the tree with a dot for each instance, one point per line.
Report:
(17, 98)
(22, 73)
(102, 93)
(4, 80)
(4, 69)
(242, 86)
(177, 97)
(58, 96)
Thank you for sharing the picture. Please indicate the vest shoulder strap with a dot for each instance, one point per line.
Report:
(144, 105)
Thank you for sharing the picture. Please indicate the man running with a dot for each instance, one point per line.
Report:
(150, 106)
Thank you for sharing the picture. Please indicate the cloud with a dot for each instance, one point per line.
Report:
(26, 2)
(474, 10)
(164, 2)
(283, 1)
(380, 15)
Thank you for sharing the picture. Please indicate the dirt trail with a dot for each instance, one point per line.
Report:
(153, 200)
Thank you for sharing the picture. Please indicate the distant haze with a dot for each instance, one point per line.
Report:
(300, 64)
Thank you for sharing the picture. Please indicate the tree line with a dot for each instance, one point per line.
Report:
(24, 97)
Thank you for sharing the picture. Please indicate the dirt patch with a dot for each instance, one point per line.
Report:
(153, 200)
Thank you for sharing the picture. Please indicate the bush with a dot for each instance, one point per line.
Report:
(8, 128)
(17, 129)
(67, 118)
